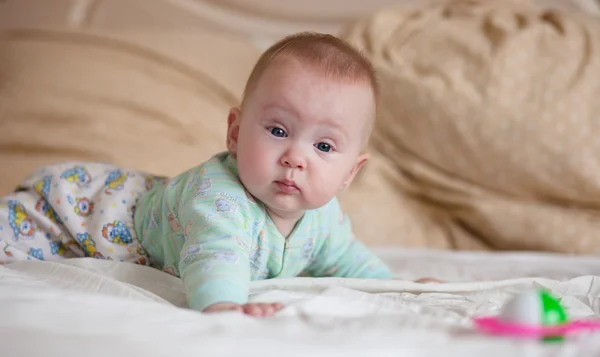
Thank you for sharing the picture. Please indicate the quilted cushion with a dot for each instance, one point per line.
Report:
(490, 119)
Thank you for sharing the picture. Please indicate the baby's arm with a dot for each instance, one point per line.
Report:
(214, 263)
(343, 256)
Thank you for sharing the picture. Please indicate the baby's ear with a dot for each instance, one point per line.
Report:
(360, 161)
(233, 129)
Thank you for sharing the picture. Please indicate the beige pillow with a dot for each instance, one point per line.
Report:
(152, 100)
(490, 119)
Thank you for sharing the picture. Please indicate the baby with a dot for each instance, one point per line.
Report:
(265, 208)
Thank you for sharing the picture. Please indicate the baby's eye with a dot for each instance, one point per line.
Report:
(323, 147)
(278, 132)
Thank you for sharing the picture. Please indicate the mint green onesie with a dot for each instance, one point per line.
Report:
(203, 226)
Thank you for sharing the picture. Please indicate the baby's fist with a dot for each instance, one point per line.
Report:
(428, 280)
(261, 309)
(252, 309)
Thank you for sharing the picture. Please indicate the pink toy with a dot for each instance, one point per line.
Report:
(534, 314)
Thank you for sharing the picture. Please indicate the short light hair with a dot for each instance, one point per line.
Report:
(335, 57)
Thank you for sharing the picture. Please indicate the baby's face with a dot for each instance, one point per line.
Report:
(300, 137)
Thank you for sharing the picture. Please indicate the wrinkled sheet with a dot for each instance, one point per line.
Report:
(86, 307)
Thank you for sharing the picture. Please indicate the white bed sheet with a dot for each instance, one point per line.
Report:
(87, 307)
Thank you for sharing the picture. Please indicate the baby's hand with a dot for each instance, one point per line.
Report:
(252, 309)
(428, 280)
(262, 309)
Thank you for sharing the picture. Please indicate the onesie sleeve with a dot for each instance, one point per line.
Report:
(214, 263)
(342, 255)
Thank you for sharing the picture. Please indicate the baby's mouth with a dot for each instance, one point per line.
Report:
(287, 186)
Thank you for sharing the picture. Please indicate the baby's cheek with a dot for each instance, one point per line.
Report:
(255, 170)
(324, 188)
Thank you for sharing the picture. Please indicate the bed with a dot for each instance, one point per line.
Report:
(97, 308)
(483, 172)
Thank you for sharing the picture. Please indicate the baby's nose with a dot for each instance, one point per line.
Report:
(294, 161)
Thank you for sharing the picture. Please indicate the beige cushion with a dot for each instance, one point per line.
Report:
(490, 120)
(155, 101)
(260, 21)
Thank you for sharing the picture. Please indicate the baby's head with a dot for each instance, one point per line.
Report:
(305, 118)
